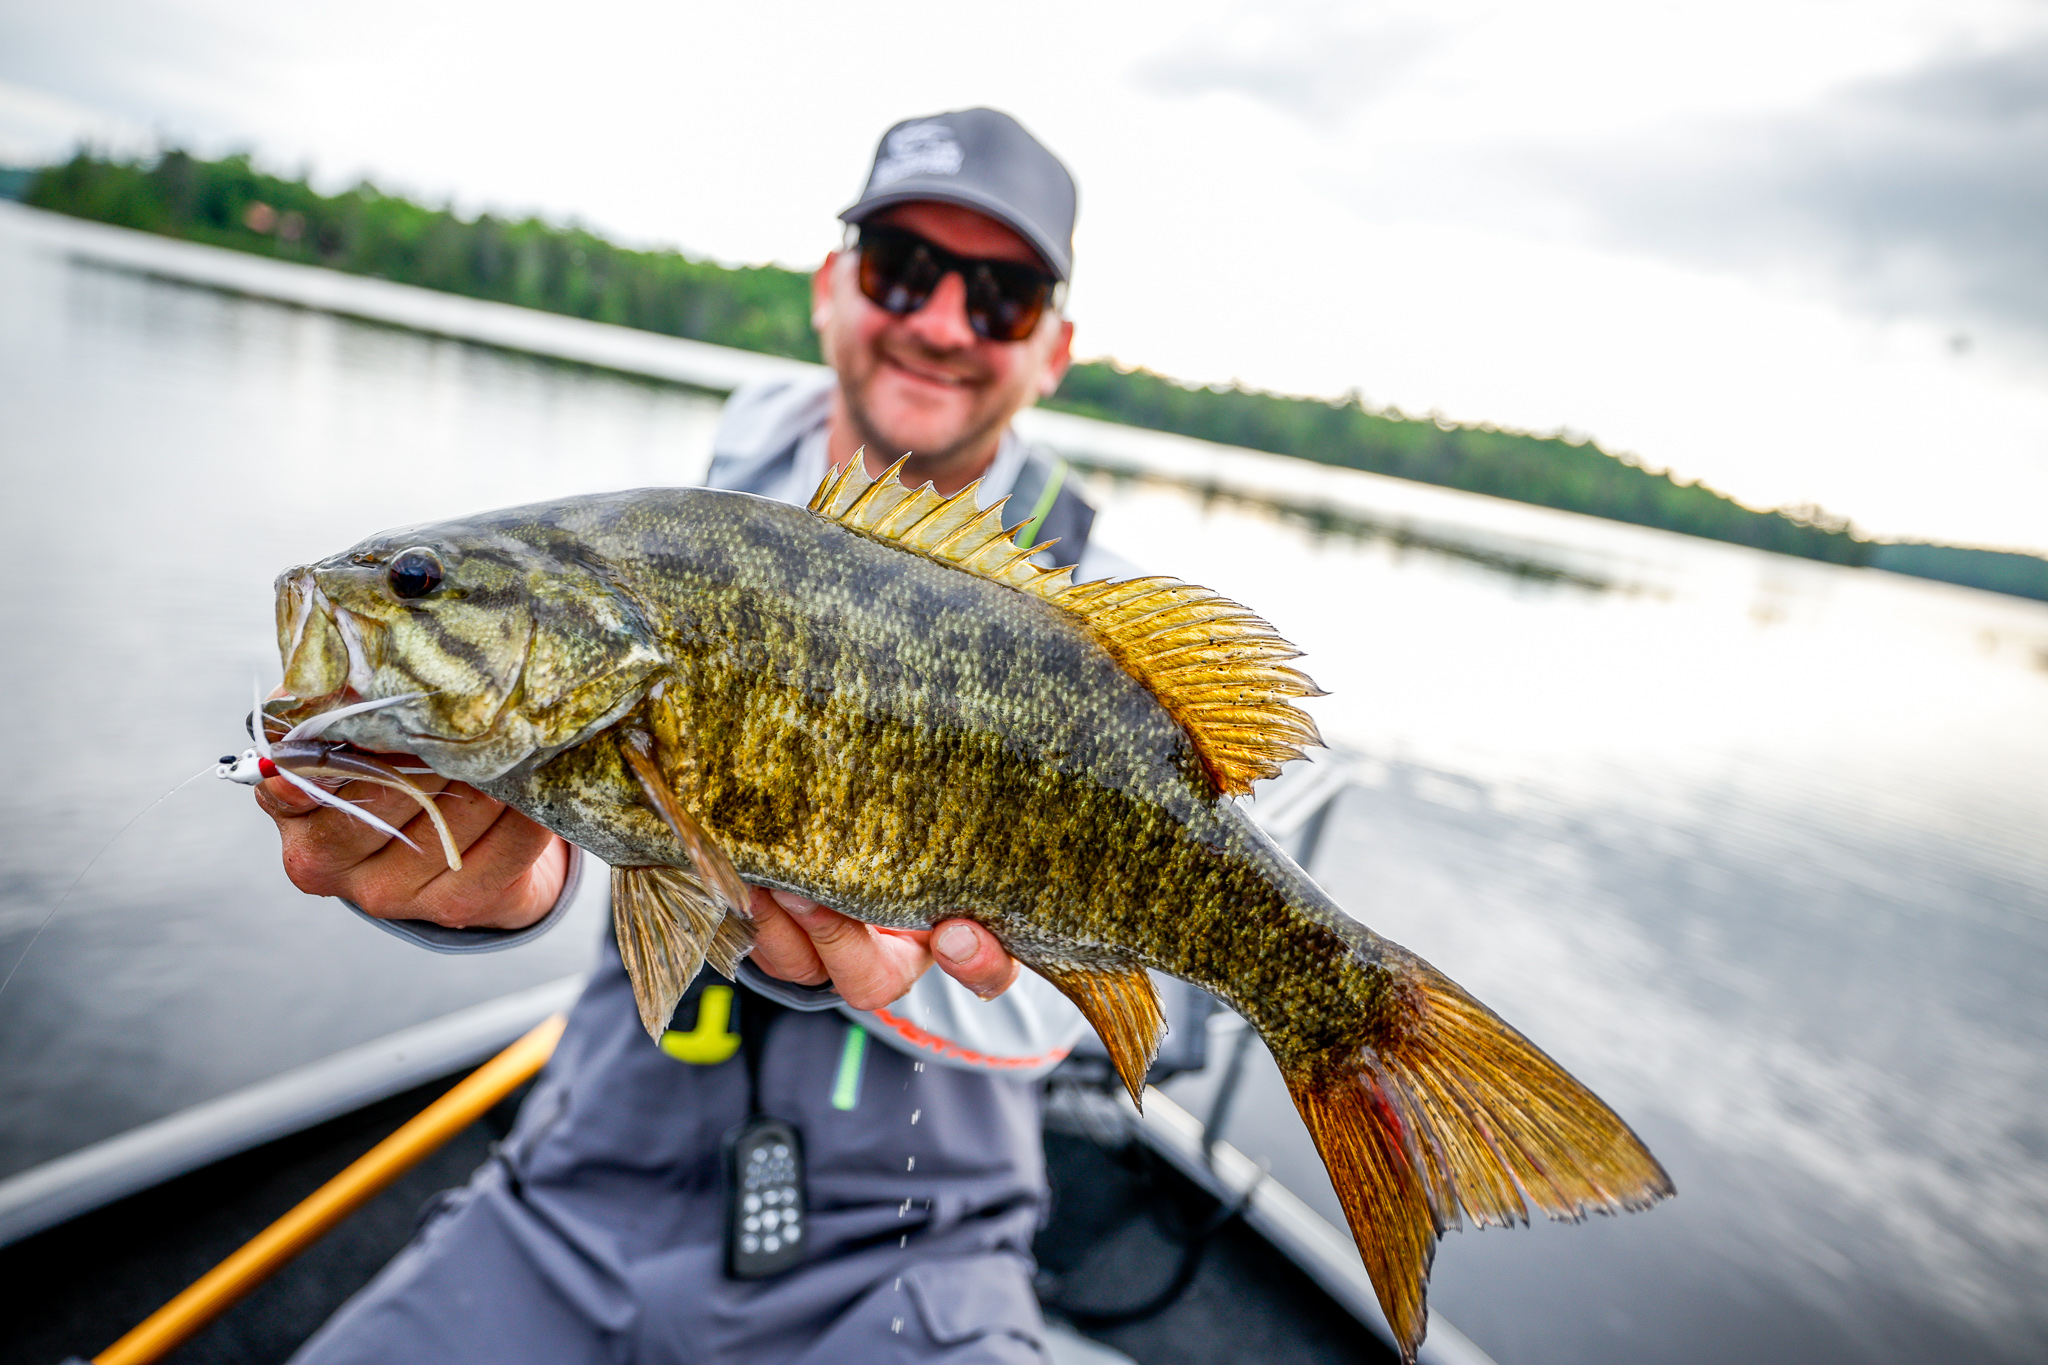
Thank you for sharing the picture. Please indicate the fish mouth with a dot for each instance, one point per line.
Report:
(326, 649)
(326, 665)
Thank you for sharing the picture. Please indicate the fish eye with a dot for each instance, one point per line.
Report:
(415, 572)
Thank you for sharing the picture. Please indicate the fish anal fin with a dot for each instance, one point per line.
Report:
(666, 920)
(1123, 1006)
(716, 870)
(1216, 667)
(1456, 1116)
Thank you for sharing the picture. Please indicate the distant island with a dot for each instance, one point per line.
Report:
(233, 203)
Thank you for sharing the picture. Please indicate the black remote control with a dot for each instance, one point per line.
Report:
(765, 1227)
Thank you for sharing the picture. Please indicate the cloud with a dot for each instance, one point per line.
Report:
(37, 127)
(1924, 193)
(1319, 63)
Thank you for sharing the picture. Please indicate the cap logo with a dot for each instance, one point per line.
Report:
(916, 149)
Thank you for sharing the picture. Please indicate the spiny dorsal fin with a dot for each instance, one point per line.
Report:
(1216, 667)
(1124, 1008)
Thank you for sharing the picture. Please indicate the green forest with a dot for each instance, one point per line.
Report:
(232, 202)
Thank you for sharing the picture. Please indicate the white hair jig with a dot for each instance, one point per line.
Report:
(299, 756)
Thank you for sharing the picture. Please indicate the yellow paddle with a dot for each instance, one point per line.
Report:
(263, 1255)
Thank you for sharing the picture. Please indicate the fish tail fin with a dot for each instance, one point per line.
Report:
(1453, 1115)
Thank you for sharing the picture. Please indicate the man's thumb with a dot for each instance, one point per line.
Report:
(281, 798)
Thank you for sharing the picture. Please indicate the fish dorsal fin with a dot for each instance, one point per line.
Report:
(1216, 667)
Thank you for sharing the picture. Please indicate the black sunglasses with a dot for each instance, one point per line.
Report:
(899, 271)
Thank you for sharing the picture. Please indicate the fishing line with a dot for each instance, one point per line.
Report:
(89, 866)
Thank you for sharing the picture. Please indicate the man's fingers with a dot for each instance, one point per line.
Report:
(282, 800)
(971, 955)
(781, 947)
(511, 876)
(512, 871)
(869, 969)
(328, 852)
(797, 939)
(325, 839)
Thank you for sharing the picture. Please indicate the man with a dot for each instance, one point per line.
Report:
(602, 1231)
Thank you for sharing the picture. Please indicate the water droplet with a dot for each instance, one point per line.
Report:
(912, 1166)
(917, 1066)
(899, 1284)
(896, 1324)
(903, 1241)
(915, 1115)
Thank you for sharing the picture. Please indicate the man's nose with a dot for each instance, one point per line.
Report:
(942, 323)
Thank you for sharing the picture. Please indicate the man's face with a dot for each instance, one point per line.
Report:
(925, 382)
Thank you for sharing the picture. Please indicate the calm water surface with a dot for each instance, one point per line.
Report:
(1752, 845)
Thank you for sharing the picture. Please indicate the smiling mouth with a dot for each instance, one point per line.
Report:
(926, 373)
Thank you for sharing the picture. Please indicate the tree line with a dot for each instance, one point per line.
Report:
(232, 202)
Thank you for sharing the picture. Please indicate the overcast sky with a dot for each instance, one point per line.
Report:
(1798, 248)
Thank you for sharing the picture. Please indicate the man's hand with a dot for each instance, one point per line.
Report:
(799, 940)
(512, 869)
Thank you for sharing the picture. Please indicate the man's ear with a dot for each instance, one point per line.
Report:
(821, 294)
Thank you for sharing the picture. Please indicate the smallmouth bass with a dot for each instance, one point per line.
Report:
(879, 702)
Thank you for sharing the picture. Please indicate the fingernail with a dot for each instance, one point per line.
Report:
(957, 944)
(795, 904)
(293, 800)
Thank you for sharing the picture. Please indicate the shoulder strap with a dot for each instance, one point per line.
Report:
(757, 1014)
(1053, 508)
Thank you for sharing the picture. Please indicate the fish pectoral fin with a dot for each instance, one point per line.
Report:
(668, 922)
(1124, 1008)
(1456, 1116)
(713, 867)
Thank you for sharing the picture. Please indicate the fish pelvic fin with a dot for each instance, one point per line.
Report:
(1457, 1116)
(731, 941)
(1123, 1006)
(1217, 668)
(667, 922)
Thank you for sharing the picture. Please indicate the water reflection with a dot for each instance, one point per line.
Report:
(1319, 521)
(1752, 845)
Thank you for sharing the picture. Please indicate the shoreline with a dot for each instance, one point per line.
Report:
(1526, 539)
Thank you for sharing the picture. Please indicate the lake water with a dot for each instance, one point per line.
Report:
(1753, 846)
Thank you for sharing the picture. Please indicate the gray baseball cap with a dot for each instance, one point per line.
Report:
(982, 160)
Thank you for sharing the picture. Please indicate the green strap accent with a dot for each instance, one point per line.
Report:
(1028, 537)
(710, 1042)
(846, 1088)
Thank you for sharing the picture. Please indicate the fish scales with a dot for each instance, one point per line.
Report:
(879, 703)
(1051, 802)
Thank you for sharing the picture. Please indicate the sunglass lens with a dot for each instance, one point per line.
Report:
(896, 271)
(1005, 305)
(899, 271)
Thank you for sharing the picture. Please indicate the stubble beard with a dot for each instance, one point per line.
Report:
(927, 460)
